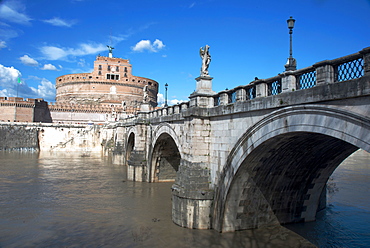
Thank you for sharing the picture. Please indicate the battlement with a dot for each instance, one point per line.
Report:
(19, 100)
(113, 60)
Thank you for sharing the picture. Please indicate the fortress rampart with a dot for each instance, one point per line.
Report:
(24, 110)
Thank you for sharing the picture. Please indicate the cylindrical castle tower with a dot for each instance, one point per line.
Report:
(110, 83)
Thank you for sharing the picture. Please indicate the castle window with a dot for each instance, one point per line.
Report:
(125, 75)
(150, 83)
(108, 67)
(99, 67)
(125, 69)
(112, 77)
(90, 76)
(117, 68)
(99, 73)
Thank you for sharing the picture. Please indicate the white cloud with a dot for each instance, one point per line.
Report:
(158, 44)
(9, 85)
(55, 53)
(4, 92)
(59, 22)
(11, 12)
(7, 33)
(44, 90)
(143, 45)
(27, 60)
(2, 44)
(161, 100)
(8, 76)
(49, 67)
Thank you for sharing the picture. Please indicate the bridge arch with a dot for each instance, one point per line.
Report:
(130, 145)
(278, 169)
(165, 155)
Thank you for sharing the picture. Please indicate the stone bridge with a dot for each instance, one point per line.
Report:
(255, 155)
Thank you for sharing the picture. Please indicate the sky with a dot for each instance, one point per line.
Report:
(41, 40)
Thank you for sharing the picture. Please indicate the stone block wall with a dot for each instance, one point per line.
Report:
(18, 137)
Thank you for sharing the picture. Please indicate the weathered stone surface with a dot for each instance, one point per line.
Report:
(19, 137)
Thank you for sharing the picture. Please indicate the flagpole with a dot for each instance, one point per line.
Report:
(15, 100)
(19, 82)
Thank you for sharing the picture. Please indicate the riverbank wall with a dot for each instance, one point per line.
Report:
(18, 137)
(52, 137)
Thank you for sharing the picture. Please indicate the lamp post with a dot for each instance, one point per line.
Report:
(165, 99)
(291, 64)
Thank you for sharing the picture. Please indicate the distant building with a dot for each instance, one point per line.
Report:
(110, 83)
(108, 93)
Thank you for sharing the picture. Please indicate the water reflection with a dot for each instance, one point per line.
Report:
(55, 200)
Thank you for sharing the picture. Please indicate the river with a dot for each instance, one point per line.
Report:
(63, 200)
(346, 220)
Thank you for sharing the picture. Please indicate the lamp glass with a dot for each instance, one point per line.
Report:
(291, 22)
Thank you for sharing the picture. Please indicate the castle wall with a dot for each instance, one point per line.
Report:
(111, 82)
(16, 109)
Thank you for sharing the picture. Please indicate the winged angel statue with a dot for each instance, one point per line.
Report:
(206, 59)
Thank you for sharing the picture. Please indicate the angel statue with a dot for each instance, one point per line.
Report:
(206, 59)
(145, 97)
(110, 49)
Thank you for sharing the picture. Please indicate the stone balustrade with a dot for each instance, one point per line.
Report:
(325, 72)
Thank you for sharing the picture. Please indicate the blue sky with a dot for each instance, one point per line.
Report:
(41, 40)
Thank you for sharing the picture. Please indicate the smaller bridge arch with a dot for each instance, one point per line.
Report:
(278, 169)
(130, 145)
(165, 156)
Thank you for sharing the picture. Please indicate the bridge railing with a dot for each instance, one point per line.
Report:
(306, 78)
(328, 71)
(325, 72)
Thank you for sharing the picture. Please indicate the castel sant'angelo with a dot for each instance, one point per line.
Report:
(108, 93)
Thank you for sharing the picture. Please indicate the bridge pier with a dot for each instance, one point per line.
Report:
(136, 154)
(192, 197)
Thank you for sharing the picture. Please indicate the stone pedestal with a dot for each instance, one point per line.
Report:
(145, 107)
(203, 96)
(204, 85)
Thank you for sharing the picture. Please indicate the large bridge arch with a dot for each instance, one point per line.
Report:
(165, 155)
(277, 170)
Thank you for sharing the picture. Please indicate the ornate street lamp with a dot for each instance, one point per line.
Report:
(165, 99)
(291, 65)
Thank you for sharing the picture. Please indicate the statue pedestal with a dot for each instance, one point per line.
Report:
(204, 85)
(203, 96)
(145, 107)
